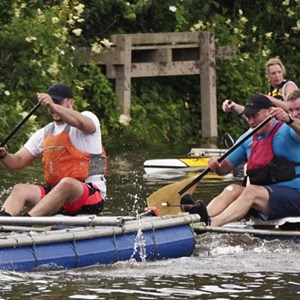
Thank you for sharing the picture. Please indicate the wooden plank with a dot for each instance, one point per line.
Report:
(160, 38)
(113, 56)
(165, 69)
(165, 46)
(160, 69)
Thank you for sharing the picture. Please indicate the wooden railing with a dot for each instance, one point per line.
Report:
(165, 54)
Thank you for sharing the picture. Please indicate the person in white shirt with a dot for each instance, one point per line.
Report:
(73, 158)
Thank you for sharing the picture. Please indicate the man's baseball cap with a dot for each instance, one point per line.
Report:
(256, 103)
(59, 91)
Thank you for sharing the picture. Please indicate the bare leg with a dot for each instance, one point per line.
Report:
(223, 200)
(66, 191)
(22, 195)
(253, 196)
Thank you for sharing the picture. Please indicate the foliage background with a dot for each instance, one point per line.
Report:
(39, 40)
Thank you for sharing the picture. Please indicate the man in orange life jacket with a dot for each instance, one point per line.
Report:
(71, 152)
(273, 156)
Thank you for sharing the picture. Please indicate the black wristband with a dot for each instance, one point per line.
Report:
(291, 119)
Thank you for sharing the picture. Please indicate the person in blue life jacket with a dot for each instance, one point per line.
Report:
(279, 88)
(233, 191)
(273, 156)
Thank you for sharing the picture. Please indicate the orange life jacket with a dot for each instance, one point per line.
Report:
(61, 159)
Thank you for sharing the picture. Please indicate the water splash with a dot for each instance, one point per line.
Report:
(139, 243)
(139, 246)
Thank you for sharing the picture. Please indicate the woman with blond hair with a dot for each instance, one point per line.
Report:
(279, 88)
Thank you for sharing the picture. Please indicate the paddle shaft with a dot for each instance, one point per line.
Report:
(179, 205)
(18, 126)
(221, 158)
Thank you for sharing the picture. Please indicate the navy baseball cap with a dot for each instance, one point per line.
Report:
(256, 103)
(60, 91)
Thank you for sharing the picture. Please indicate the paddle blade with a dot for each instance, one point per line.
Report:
(170, 194)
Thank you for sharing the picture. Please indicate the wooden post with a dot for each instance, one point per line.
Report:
(208, 87)
(123, 75)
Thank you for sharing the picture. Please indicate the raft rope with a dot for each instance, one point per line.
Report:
(154, 241)
(90, 220)
(115, 245)
(75, 249)
(34, 254)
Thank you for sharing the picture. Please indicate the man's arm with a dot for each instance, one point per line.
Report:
(74, 118)
(296, 126)
(279, 103)
(283, 116)
(67, 114)
(16, 161)
(223, 168)
(229, 105)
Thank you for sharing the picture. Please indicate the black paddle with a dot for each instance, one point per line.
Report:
(221, 158)
(18, 126)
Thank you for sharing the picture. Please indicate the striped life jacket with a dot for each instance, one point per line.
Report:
(276, 91)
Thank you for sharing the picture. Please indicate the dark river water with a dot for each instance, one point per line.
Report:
(223, 266)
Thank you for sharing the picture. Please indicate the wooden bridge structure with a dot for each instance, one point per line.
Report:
(165, 54)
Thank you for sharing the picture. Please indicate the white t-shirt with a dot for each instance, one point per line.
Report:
(84, 142)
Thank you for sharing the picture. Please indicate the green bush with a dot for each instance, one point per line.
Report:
(40, 40)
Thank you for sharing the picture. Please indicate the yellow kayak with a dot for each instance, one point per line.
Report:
(196, 160)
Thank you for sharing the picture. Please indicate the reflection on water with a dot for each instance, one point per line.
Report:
(93, 284)
(224, 266)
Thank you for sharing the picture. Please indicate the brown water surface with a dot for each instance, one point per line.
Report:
(223, 266)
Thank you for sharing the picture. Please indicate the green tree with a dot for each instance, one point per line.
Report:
(40, 41)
